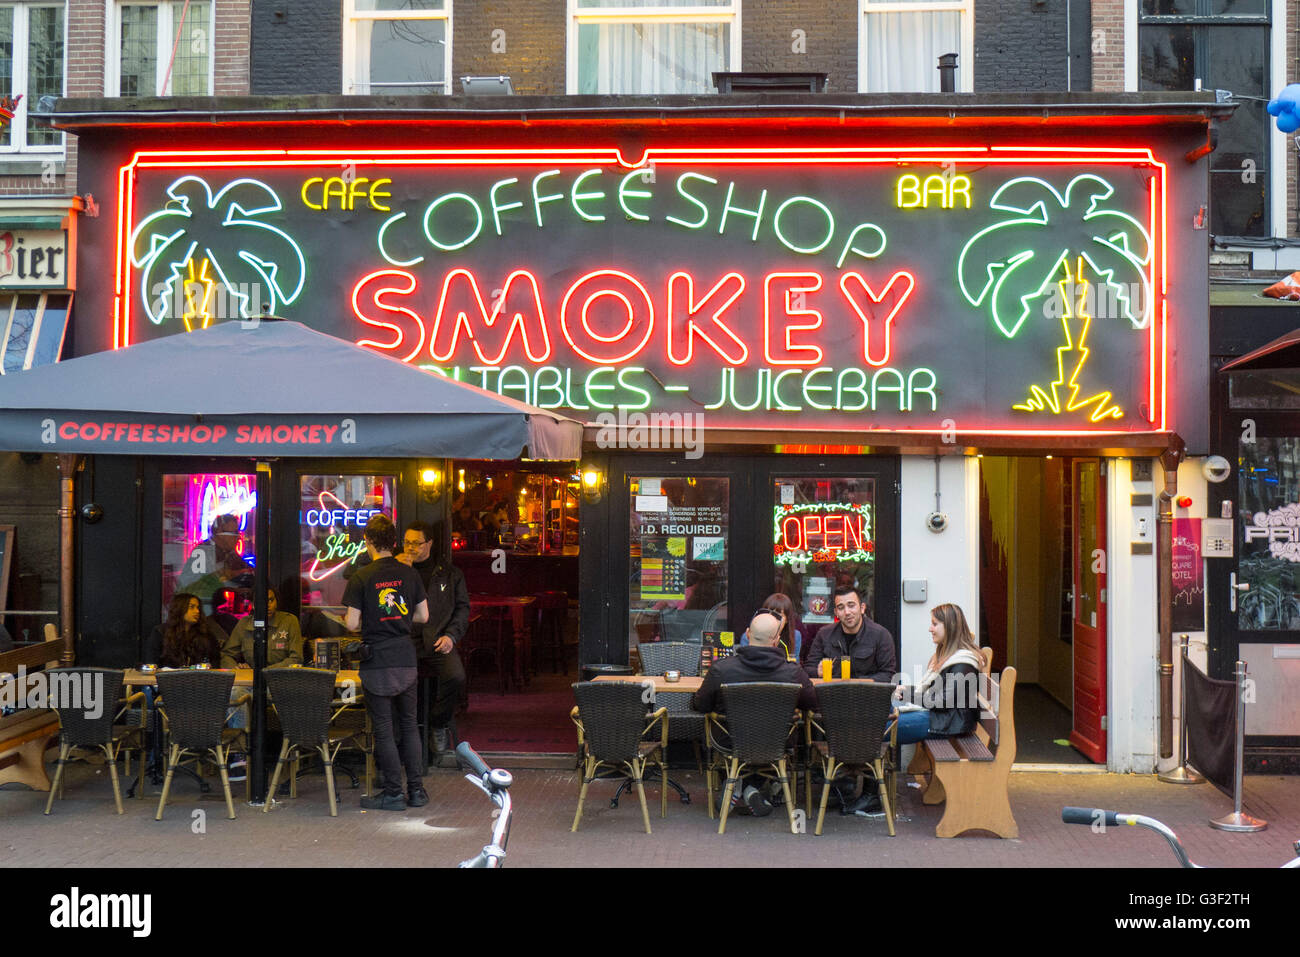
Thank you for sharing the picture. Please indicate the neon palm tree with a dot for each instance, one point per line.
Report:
(1016, 265)
(201, 241)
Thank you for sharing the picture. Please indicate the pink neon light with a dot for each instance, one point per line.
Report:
(866, 313)
(315, 562)
(585, 327)
(376, 285)
(693, 309)
(518, 322)
(799, 354)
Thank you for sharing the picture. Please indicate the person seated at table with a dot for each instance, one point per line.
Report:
(948, 695)
(780, 606)
(186, 638)
(868, 646)
(760, 660)
(283, 638)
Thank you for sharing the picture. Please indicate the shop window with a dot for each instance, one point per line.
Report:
(679, 550)
(208, 524)
(32, 325)
(823, 536)
(161, 49)
(397, 46)
(1225, 45)
(332, 515)
(523, 512)
(32, 37)
(900, 42)
(1264, 389)
(1268, 478)
(651, 46)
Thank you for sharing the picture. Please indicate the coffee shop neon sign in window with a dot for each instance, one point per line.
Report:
(822, 532)
(695, 279)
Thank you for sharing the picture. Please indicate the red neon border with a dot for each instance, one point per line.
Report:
(1158, 372)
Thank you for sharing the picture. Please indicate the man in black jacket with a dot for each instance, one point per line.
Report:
(761, 660)
(868, 646)
(436, 640)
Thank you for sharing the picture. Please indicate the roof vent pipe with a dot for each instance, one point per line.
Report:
(948, 73)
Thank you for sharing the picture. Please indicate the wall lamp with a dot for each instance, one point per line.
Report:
(431, 484)
(592, 478)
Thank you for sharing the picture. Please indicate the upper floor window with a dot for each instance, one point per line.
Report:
(1225, 45)
(651, 46)
(31, 66)
(900, 42)
(397, 46)
(161, 49)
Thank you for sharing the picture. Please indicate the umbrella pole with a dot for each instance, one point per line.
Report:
(257, 725)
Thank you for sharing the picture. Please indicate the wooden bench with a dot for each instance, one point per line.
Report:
(26, 735)
(969, 774)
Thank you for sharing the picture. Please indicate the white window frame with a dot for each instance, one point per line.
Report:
(18, 125)
(966, 55)
(1279, 143)
(351, 16)
(577, 16)
(113, 45)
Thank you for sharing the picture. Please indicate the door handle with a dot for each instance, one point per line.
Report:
(1233, 588)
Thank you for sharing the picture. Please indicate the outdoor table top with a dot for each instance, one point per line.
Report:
(691, 684)
(243, 678)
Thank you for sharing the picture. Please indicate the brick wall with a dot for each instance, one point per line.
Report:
(297, 47)
(230, 53)
(1108, 45)
(1020, 45)
(534, 39)
(828, 42)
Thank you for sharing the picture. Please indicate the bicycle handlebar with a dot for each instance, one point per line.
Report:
(1089, 815)
(471, 758)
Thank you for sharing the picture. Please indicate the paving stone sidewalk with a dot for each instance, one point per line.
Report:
(83, 831)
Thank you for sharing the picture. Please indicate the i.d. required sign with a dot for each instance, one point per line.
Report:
(918, 289)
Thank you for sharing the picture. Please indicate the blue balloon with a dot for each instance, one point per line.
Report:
(1288, 122)
(1286, 107)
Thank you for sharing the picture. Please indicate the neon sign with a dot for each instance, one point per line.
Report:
(210, 495)
(340, 548)
(758, 284)
(822, 532)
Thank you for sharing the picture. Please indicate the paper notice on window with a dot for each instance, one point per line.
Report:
(652, 503)
(787, 494)
(651, 486)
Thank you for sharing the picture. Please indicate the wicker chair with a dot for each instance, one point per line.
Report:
(304, 700)
(854, 717)
(78, 730)
(612, 725)
(659, 657)
(194, 705)
(755, 732)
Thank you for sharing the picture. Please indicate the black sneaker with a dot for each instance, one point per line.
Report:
(868, 805)
(383, 801)
(237, 768)
(417, 797)
(759, 806)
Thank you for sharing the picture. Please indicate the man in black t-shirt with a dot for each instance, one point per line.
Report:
(383, 601)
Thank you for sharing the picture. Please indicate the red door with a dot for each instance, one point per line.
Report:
(1089, 544)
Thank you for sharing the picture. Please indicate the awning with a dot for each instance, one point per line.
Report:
(1282, 353)
(269, 388)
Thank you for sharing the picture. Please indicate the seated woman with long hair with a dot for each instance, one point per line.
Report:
(948, 694)
(782, 608)
(187, 637)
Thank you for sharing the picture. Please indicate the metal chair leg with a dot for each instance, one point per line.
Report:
(64, 749)
(173, 757)
(329, 779)
(784, 778)
(829, 770)
(275, 775)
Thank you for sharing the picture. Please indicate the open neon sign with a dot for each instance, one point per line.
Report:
(822, 532)
(829, 306)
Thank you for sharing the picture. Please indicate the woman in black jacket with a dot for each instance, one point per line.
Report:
(186, 638)
(948, 694)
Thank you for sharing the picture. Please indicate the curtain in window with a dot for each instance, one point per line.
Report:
(902, 50)
(651, 57)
